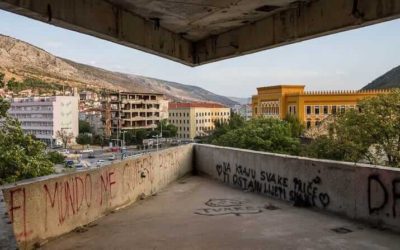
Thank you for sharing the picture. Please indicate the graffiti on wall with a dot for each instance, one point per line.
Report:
(66, 200)
(383, 198)
(217, 207)
(301, 192)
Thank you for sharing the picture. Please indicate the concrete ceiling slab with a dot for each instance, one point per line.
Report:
(195, 32)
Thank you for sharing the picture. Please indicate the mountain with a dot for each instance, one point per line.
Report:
(390, 79)
(240, 100)
(22, 60)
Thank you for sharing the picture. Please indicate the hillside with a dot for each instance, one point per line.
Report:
(21, 60)
(390, 79)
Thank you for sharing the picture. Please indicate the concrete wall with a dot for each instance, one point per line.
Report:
(48, 207)
(361, 192)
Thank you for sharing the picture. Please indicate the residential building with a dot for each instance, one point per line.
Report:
(94, 117)
(310, 107)
(128, 111)
(196, 119)
(244, 110)
(44, 116)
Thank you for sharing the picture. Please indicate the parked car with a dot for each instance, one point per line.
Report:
(88, 150)
(69, 163)
(112, 157)
(65, 152)
(115, 149)
(100, 163)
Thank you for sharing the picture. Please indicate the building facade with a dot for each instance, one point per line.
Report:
(94, 117)
(44, 116)
(129, 111)
(196, 119)
(310, 107)
(244, 110)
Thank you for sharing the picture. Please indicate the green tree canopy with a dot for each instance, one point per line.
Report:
(84, 139)
(168, 130)
(21, 156)
(84, 127)
(2, 83)
(263, 134)
(370, 134)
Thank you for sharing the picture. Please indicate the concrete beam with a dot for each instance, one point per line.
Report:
(296, 22)
(103, 20)
(300, 21)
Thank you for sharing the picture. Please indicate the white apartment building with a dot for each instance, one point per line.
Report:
(44, 116)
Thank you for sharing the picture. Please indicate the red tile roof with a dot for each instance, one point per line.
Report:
(175, 105)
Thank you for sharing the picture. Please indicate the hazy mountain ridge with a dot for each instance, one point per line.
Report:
(390, 79)
(20, 60)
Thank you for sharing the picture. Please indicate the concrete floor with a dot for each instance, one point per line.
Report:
(183, 217)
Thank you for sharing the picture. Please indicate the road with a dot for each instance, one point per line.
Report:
(104, 155)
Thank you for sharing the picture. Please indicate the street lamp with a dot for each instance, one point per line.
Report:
(123, 138)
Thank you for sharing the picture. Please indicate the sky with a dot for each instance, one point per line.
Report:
(346, 60)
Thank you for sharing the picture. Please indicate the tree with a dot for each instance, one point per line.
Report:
(64, 136)
(21, 156)
(296, 126)
(83, 139)
(56, 157)
(84, 127)
(371, 133)
(220, 128)
(168, 130)
(263, 134)
(2, 83)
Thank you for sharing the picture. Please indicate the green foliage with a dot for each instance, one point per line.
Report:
(2, 83)
(235, 122)
(372, 134)
(84, 127)
(168, 130)
(296, 126)
(84, 139)
(263, 134)
(98, 140)
(130, 137)
(21, 156)
(56, 157)
(140, 135)
(34, 84)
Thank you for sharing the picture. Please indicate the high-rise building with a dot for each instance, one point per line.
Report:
(44, 116)
(129, 111)
(310, 107)
(196, 119)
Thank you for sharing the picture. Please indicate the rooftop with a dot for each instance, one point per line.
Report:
(177, 105)
(198, 213)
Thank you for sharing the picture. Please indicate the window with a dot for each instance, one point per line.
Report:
(308, 110)
(316, 110)
(342, 109)
(333, 109)
(317, 123)
(308, 124)
(325, 110)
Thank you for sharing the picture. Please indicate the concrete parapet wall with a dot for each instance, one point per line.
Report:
(48, 207)
(358, 191)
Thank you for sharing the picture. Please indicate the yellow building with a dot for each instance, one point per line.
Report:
(310, 107)
(196, 119)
